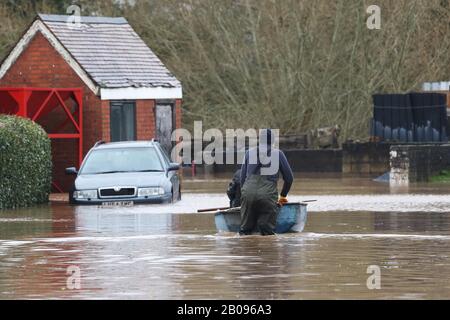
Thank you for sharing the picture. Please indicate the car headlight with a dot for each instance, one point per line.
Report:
(146, 192)
(85, 194)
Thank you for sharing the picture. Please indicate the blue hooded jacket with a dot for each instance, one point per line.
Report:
(258, 161)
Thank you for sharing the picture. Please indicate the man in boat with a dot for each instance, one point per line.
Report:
(259, 176)
(234, 190)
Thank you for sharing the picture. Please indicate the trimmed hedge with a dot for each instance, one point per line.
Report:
(25, 163)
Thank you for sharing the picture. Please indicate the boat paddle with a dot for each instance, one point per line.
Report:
(212, 209)
(226, 208)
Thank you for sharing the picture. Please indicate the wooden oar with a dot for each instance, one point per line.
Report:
(226, 208)
(212, 209)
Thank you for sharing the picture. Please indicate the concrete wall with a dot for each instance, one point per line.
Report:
(327, 160)
(417, 163)
(301, 160)
(365, 158)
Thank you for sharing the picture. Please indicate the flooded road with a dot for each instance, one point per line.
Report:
(165, 252)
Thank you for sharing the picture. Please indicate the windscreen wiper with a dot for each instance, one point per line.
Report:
(108, 172)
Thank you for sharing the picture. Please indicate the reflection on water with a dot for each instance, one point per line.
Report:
(165, 252)
(330, 203)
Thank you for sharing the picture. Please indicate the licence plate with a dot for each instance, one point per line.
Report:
(112, 204)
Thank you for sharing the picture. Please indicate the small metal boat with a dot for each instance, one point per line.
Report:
(291, 218)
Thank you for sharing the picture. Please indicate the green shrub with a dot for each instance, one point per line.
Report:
(442, 177)
(25, 163)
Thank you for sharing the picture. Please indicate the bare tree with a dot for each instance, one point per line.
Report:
(292, 64)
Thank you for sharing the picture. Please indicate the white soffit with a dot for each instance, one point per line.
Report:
(157, 93)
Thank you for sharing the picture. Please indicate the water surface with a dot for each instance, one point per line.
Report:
(169, 252)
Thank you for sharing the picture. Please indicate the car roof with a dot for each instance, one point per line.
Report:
(125, 144)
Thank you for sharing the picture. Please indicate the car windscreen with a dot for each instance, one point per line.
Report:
(122, 160)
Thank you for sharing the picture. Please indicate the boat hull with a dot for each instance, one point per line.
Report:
(291, 218)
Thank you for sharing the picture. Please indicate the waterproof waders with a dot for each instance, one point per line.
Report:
(259, 209)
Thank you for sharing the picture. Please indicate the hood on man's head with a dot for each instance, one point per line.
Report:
(266, 137)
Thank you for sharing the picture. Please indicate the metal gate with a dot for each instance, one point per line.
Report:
(58, 111)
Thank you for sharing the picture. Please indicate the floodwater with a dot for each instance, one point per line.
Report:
(168, 252)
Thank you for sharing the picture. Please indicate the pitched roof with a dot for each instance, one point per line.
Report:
(111, 52)
(106, 53)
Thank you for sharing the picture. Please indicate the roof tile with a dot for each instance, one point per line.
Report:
(111, 52)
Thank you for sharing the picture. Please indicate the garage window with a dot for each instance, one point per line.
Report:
(123, 121)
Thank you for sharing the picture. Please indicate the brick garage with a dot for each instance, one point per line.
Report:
(128, 94)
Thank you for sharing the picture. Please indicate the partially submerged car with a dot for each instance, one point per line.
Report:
(126, 173)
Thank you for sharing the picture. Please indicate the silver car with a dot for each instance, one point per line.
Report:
(126, 173)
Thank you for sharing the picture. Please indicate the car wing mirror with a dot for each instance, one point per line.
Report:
(72, 171)
(174, 167)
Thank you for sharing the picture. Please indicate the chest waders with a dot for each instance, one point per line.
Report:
(259, 208)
